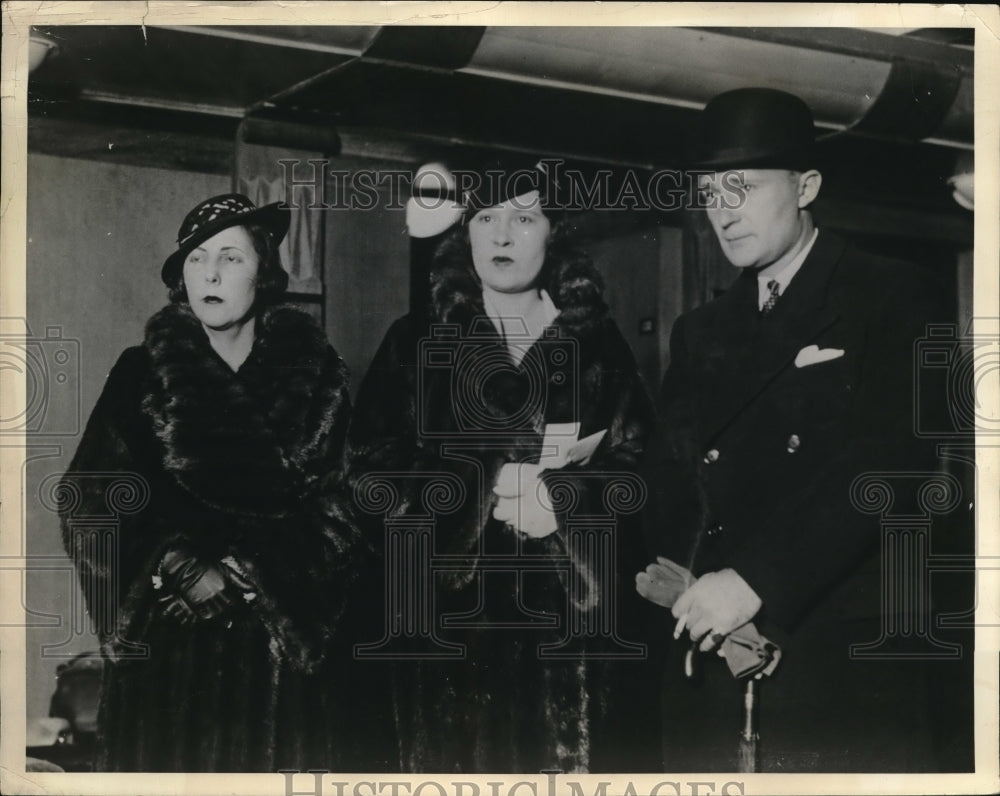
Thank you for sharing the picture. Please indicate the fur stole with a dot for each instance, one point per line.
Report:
(250, 442)
(574, 284)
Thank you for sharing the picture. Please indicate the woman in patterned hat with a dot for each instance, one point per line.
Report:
(218, 604)
(493, 448)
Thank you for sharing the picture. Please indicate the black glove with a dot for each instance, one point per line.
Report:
(196, 589)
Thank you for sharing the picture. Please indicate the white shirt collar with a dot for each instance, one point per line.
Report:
(548, 306)
(551, 310)
(784, 276)
(519, 347)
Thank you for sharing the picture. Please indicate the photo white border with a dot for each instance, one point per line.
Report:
(18, 16)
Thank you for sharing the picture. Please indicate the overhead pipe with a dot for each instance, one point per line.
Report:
(913, 103)
(840, 72)
(308, 136)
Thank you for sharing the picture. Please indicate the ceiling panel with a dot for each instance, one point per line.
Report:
(344, 39)
(171, 67)
(839, 72)
(604, 95)
(474, 109)
(680, 65)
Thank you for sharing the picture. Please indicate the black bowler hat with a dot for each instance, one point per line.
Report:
(756, 128)
(219, 213)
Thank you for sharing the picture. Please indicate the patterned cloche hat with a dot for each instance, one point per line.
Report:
(216, 214)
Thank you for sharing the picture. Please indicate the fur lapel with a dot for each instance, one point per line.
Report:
(252, 433)
(577, 291)
(575, 286)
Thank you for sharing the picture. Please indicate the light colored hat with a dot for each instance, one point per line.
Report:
(432, 206)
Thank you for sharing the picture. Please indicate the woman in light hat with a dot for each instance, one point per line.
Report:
(220, 588)
(504, 416)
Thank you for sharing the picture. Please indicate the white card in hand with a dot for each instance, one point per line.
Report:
(559, 440)
(584, 449)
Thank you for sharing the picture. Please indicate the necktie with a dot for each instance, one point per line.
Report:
(772, 298)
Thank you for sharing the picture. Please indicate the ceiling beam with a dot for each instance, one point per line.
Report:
(253, 36)
(858, 43)
(422, 45)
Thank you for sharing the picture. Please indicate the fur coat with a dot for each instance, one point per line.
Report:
(441, 410)
(240, 466)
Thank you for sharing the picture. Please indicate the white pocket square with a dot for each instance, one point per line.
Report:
(811, 355)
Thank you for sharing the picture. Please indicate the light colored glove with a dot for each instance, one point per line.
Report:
(715, 605)
(663, 582)
(523, 500)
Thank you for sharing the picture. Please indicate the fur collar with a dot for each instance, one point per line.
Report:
(575, 286)
(251, 441)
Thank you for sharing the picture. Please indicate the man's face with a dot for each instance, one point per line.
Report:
(755, 213)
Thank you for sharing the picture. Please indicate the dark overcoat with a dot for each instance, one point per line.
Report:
(243, 466)
(550, 672)
(754, 470)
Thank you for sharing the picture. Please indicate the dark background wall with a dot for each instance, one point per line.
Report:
(98, 233)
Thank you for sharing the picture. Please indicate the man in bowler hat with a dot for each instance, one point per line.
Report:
(779, 394)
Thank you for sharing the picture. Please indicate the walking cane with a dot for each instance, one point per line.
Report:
(747, 761)
(748, 654)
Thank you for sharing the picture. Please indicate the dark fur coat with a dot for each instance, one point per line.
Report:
(440, 411)
(244, 465)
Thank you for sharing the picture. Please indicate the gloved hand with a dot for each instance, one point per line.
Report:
(714, 606)
(663, 582)
(523, 500)
(197, 588)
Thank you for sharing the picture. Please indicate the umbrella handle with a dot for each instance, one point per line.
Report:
(750, 711)
(748, 752)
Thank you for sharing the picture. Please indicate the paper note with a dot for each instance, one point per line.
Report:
(561, 446)
(559, 440)
(581, 452)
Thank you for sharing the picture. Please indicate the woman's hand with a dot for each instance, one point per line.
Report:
(523, 500)
(198, 589)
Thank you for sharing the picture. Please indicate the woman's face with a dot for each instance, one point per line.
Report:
(508, 243)
(220, 276)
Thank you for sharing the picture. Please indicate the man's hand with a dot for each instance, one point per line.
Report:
(523, 500)
(663, 582)
(715, 605)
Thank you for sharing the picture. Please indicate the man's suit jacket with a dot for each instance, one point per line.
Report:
(759, 453)
(754, 470)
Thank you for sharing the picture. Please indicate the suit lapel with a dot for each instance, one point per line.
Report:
(766, 346)
(728, 336)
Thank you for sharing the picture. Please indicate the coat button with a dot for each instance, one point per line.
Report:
(715, 530)
(794, 443)
(712, 456)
